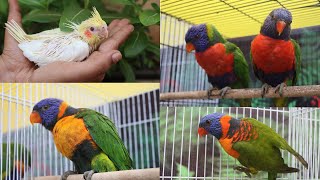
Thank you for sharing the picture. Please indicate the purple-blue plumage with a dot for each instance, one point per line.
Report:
(48, 110)
(211, 123)
(197, 35)
(269, 28)
(222, 81)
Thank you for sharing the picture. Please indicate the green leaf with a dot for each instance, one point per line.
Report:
(126, 2)
(127, 70)
(38, 4)
(86, 4)
(149, 17)
(3, 7)
(99, 6)
(155, 7)
(42, 16)
(72, 12)
(112, 16)
(154, 48)
(136, 43)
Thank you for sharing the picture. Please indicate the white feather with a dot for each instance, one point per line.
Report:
(61, 48)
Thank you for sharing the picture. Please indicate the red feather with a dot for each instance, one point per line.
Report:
(215, 61)
(272, 55)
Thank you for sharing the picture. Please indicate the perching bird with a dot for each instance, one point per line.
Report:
(223, 62)
(253, 144)
(275, 56)
(19, 161)
(54, 45)
(84, 136)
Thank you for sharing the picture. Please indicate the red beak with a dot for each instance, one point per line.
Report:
(35, 117)
(202, 132)
(280, 26)
(189, 47)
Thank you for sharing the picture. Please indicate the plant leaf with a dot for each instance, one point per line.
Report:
(127, 70)
(38, 4)
(155, 7)
(154, 48)
(3, 7)
(136, 43)
(112, 16)
(72, 12)
(42, 16)
(126, 2)
(86, 4)
(149, 17)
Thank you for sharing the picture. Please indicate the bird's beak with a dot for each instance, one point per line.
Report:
(104, 31)
(35, 117)
(202, 131)
(280, 26)
(189, 47)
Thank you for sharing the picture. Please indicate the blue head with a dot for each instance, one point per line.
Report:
(210, 124)
(47, 112)
(277, 24)
(197, 38)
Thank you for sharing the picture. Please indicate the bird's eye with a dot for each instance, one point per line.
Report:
(91, 28)
(44, 108)
(208, 121)
(197, 36)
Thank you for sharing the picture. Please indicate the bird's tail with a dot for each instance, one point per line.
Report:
(301, 159)
(280, 102)
(16, 31)
(272, 176)
(244, 102)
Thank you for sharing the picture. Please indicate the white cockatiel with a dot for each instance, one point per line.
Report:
(54, 45)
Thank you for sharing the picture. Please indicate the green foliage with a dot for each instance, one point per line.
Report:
(138, 51)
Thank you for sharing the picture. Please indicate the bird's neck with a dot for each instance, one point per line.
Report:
(69, 111)
(270, 31)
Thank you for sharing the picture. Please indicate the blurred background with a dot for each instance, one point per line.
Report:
(185, 155)
(140, 52)
(239, 22)
(31, 150)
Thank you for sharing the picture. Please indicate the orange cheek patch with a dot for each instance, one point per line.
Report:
(88, 33)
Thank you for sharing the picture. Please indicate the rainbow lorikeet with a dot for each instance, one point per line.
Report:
(253, 144)
(223, 62)
(17, 164)
(84, 136)
(275, 56)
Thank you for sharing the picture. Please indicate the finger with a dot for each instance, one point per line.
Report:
(14, 11)
(113, 24)
(122, 23)
(117, 39)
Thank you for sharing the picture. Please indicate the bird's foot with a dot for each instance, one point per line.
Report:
(88, 174)
(66, 174)
(243, 169)
(265, 88)
(210, 91)
(224, 90)
(279, 89)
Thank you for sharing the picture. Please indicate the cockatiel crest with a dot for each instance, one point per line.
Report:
(54, 45)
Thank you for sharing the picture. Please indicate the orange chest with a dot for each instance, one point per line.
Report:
(215, 61)
(272, 55)
(68, 133)
(227, 146)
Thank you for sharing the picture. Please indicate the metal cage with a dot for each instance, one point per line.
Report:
(184, 155)
(136, 119)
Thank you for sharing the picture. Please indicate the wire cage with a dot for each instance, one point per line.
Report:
(136, 119)
(184, 155)
(239, 22)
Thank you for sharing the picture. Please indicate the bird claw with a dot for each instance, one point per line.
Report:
(224, 91)
(243, 169)
(66, 174)
(210, 91)
(279, 89)
(265, 88)
(88, 175)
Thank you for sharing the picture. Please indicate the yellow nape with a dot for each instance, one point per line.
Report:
(234, 18)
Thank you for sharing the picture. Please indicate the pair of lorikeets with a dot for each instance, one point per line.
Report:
(275, 56)
(253, 144)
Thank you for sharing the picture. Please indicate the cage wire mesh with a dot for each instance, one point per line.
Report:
(180, 71)
(184, 155)
(136, 119)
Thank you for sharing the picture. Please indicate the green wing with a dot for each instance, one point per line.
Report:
(104, 133)
(241, 67)
(297, 54)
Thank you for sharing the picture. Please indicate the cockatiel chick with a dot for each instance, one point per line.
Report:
(54, 45)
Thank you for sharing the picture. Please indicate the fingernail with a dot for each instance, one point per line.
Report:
(116, 57)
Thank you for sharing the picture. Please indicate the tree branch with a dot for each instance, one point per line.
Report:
(138, 174)
(290, 91)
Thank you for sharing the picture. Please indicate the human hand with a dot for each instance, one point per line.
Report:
(14, 67)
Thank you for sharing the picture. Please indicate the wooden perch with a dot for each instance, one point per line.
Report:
(139, 174)
(290, 91)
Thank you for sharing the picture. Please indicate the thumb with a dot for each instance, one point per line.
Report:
(14, 14)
